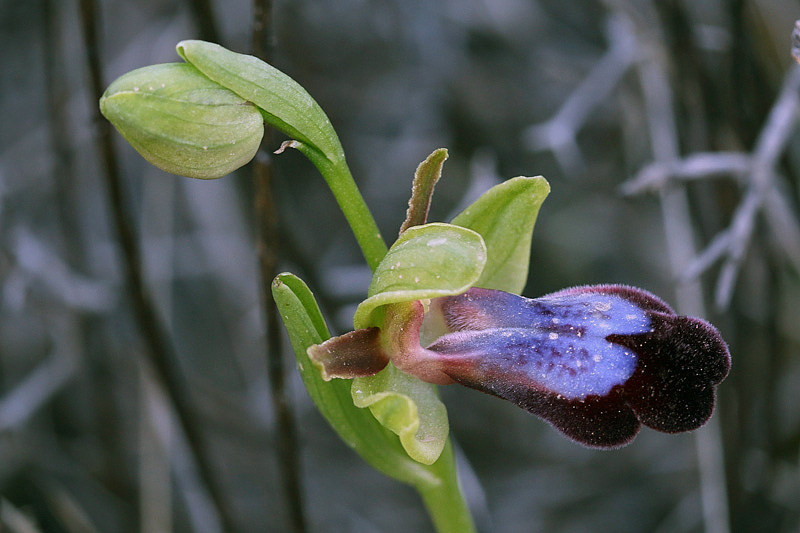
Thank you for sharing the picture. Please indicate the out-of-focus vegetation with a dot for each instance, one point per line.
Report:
(666, 130)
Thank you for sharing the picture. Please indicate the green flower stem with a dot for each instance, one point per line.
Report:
(445, 502)
(341, 183)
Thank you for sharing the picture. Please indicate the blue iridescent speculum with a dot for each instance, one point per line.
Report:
(559, 343)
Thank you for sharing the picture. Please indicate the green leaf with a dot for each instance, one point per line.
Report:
(504, 216)
(425, 262)
(357, 427)
(436, 483)
(284, 103)
(182, 122)
(408, 407)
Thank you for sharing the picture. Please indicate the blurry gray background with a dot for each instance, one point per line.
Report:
(603, 98)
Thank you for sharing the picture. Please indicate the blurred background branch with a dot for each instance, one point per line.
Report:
(268, 252)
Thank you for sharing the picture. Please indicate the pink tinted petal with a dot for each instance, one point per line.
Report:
(402, 324)
(355, 354)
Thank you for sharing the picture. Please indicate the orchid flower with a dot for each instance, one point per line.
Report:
(596, 362)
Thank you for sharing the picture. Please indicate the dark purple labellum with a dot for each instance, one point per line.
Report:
(596, 362)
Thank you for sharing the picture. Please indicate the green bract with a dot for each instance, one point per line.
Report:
(425, 262)
(357, 427)
(437, 483)
(182, 122)
(284, 103)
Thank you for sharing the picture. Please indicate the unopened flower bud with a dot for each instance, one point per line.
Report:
(182, 122)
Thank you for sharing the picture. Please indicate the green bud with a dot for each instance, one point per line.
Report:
(182, 122)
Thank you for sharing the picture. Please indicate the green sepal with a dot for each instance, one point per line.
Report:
(285, 104)
(182, 122)
(408, 407)
(425, 262)
(504, 216)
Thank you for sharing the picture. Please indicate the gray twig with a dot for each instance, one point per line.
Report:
(167, 446)
(780, 216)
(770, 145)
(558, 134)
(697, 166)
(43, 268)
(15, 520)
(783, 223)
(42, 383)
(758, 174)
